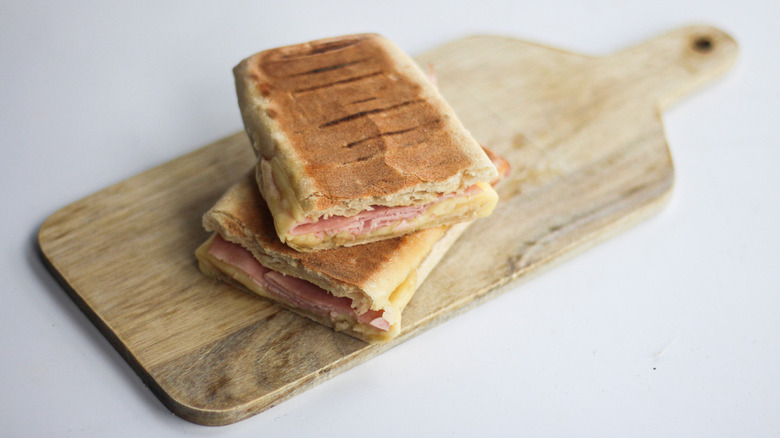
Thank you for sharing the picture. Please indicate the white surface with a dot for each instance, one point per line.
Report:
(670, 329)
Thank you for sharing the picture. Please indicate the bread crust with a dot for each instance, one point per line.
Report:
(352, 122)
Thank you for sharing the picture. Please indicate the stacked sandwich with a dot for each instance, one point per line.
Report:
(365, 177)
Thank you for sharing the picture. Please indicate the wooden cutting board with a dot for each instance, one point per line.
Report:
(583, 135)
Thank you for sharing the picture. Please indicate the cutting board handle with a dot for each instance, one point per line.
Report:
(674, 64)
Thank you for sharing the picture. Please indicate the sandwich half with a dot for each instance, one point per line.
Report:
(359, 290)
(355, 144)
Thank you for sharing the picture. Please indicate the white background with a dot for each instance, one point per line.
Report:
(669, 329)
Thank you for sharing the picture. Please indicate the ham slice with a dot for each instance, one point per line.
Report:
(363, 222)
(290, 290)
(370, 220)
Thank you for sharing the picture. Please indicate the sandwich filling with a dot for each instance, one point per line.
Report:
(378, 221)
(370, 220)
(293, 292)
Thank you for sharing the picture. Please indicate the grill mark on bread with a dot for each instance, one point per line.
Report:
(324, 48)
(328, 68)
(380, 135)
(374, 155)
(369, 112)
(369, 99)
(390, 133)
(340, 82)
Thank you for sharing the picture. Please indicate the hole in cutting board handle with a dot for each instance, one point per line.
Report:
(703, 44)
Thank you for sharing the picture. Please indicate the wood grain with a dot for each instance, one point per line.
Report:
(584, 137)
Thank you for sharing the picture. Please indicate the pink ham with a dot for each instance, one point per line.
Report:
(239, 257)
(290, 290)
(363, 222)
(370, 220)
